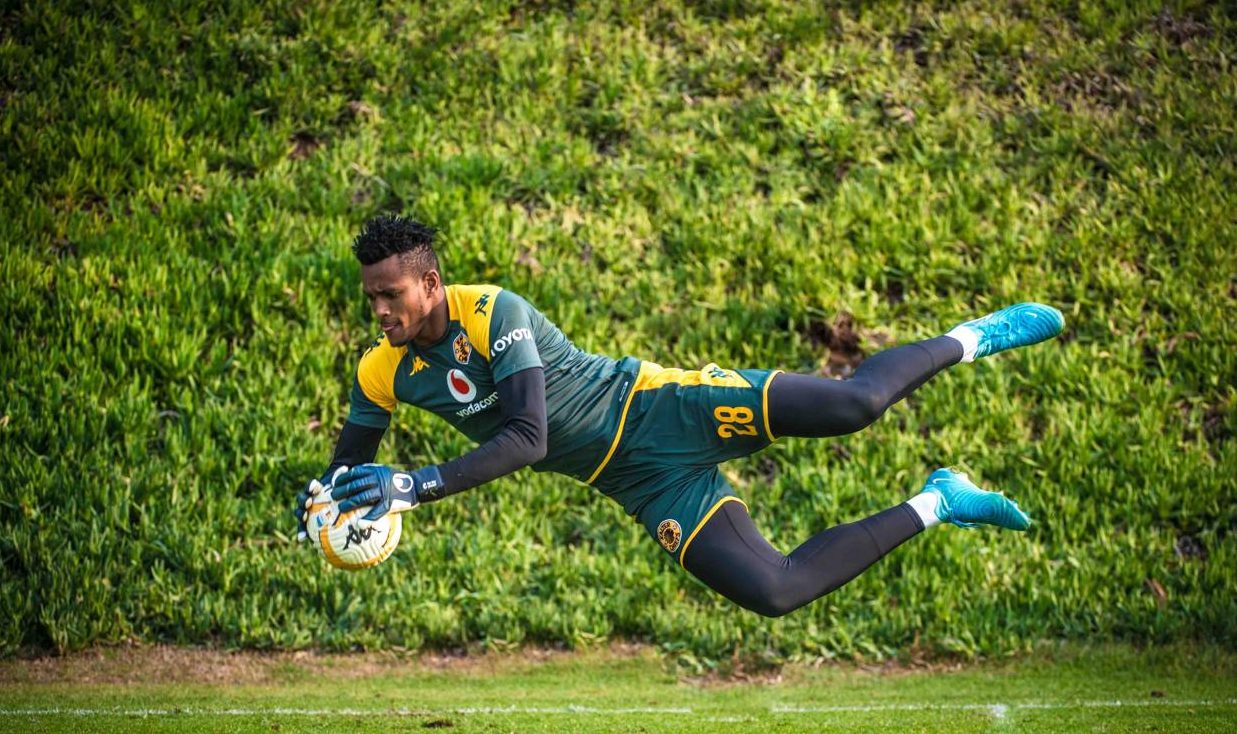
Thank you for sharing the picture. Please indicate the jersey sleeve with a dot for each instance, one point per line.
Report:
(513, 343)
(373, 389)
(364, 411)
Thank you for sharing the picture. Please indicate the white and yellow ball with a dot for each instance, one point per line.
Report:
(343, 541)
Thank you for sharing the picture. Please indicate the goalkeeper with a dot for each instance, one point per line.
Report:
(648, 437)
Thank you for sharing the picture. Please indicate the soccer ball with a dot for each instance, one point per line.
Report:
(341, 539)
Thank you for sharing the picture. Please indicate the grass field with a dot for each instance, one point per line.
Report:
(760, 184)
(1066, 689)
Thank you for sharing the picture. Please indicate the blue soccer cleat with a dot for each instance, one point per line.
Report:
(960, 502)
(1015, 326)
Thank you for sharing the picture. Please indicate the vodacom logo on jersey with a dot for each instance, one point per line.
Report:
(460, 386)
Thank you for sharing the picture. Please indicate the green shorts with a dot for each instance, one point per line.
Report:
(677, 426)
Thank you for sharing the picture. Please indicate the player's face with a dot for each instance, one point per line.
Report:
(402, 302)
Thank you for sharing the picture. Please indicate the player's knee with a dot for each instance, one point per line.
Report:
(772, 609)
(865, 408)
(772, 598)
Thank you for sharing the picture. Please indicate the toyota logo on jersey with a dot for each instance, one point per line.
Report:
(460, 386)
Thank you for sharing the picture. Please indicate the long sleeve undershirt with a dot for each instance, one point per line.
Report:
(522, 440)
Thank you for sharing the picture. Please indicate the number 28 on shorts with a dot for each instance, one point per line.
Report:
(734, 421)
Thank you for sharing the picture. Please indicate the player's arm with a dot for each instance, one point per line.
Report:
(357, 445)
(522, 440)
(519, 378)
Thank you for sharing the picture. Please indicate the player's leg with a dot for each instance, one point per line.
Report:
(730, 555)
(810, 406)
(805, 405)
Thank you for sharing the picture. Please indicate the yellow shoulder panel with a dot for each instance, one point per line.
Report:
(376, 373)
(473, 307)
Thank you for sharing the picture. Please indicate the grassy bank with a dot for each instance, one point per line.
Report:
(730, 182)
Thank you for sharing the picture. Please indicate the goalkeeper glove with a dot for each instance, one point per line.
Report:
(305, 498)
(386, 489)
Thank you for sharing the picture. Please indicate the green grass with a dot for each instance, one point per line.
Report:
(679, 182)
(1068, 689)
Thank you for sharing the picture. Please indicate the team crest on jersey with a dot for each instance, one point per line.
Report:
(462, 348)
(669, 533)
(460, 386)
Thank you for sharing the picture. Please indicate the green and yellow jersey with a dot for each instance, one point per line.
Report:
(493, 333)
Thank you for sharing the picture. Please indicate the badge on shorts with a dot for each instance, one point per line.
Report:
(669, 533)
(463, 350)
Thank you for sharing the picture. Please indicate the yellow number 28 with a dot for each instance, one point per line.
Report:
(734, 421)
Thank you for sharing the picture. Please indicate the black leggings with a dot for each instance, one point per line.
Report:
(731, 556)
(815, 407)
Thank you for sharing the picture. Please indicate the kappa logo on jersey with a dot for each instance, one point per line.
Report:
(460, 386)
(711, 374)
(418, 364)
(481, 304)
(462, 348)
(372, 346)
(515, 335)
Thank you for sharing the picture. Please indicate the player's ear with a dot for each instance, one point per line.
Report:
(431, 281)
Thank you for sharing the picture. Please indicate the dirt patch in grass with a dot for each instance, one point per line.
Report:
(139, 665)
(1096, 89)
(170, 664)
(843, 339)
(303, 145)
(1179, 30)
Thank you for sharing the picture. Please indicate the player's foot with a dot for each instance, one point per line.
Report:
(960, 502)
(1015, 326)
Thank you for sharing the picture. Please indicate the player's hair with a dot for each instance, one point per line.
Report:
(391, 234)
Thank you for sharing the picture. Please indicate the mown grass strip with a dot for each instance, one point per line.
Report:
(584, 710)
